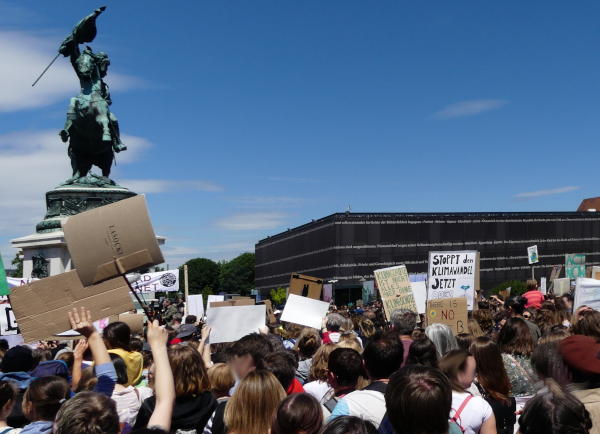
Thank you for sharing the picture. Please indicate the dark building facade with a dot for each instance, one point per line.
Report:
(347, 247)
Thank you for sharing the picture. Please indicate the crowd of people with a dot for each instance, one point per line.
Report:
(528, 364)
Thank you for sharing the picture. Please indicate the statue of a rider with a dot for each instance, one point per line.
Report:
(89, 112)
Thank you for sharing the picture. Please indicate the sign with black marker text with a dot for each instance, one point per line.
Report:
(453, 275)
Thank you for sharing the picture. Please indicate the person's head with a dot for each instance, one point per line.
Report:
(485, 319)
(554, 411)
(442, 337)
(186, 332)
(515, 304)
(17, 359)
(87, 413)
(464, 340)
(7, 398)
(345, 367)
(3, 346)
(283, 365)
(580, 354)
(548, 363)
(350, 340)
(491, 373)
(460, 367)
(474, 328)
(221, 379)
(308, 343)
(299, 413)
(68, 357)
(41, 355)
(318, 368)
(404, 321)
(422, 352)
(383, 356)
(248, 353)
(191, 319)
(43, 398)
(250, 410)
(188, 369)
(120, 369)
(555, 333)
(532, 285)
(418, 401)
(117, 335)
(349, 425)
(588, 324)
(567, 300)
(333, 322)
(366, 327)
(515, 338)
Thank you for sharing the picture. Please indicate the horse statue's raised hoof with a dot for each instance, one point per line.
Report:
(64, 135)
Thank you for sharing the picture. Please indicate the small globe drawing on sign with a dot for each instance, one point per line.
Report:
(433, 313)
(168, 279)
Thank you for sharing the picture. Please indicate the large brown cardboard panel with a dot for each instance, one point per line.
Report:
(306, 286)
(41, 307)
(120, 230)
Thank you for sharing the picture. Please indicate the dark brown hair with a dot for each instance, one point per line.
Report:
(515, 338)
(46, 395)
(491, 373)
(188, 369)
(117, 335)
(308, 343)
(88, 413)
(588, 324)
(298, 413)
(451, 364)
(485, 319)
(422, 352)
(68, 357)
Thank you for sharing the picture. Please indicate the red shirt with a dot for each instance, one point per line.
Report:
(534, 298)
(295, 387)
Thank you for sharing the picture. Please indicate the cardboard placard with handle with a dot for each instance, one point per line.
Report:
(120, 231)
(395, 289)
(306, 286)
(41, 307)
(449, 311)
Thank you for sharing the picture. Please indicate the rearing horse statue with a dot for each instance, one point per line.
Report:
(91, 128)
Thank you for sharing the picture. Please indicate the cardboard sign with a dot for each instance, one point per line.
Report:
(270, 315)
(595, 273)
(41, 307)
(574, 265)
(562, 286)
(587, 293)
(532, 255)
(305, 311)
(8, 323)
(135, 321)
(239, 302)
(395, 289)
(306, 286)
(231, 323)
(419, 290)
(213, 299)
(121, 230)
(449, 311)
(453, 274)
(195, 305)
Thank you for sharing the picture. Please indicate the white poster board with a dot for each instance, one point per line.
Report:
(587, 292)
(419, 290)
(163, 281)
(562, 286)
(305, 311)
(212, 299)
(543, 288)
(195, 305)
(453, 275)
(231, 323)
(532, 255)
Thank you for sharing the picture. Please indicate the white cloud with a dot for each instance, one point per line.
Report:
(24, 57)
(252, 221)
(469, 108)
(539, 193)
(258, 201)
(163, 185)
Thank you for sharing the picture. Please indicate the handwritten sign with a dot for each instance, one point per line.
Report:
(587, 293)
(453, 275)
(449, 311)
(532, 255)
(395, 289)
(575, 265)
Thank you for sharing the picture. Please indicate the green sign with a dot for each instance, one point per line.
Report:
(3, 282)
(575, 265)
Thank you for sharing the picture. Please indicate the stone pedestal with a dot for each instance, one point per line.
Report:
(45, 251)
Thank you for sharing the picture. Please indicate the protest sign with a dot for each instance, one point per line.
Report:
(305, 311)
(562, 286)
(595, 272)
(8, 323)
(395, 289)
(419, 290)
(195, 305)
(19, 281)
(163, 281)
(574, 265)
(449, 311)
(270, 315)
(306, 286)
(238, 302)
(120, 232)
(3, 282)
(587, 293)
(453, 274)
(543, 289)
(41, 307)
(532, 255)
(327, 292)
(135, 321)
(231, 323)
(368, 291)
(213, 299)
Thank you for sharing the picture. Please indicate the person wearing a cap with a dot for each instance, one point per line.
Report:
(186, 333)
(581, 354)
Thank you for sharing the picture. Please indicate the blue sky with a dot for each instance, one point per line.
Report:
(246, 118)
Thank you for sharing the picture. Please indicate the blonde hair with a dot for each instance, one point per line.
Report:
(318, 368)
(350, 340)
(251, 409)
(221, 379)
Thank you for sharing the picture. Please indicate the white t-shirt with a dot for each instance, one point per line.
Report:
(318, 389)
(474, 414)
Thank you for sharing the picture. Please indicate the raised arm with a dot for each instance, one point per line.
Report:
(164, 386)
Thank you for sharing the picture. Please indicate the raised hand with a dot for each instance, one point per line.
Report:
(81, 321)
(157, 335)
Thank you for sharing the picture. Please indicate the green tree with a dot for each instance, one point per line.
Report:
(17, 264)
(278, 296)
(202, 273)
(237, 275)
(517, 287)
